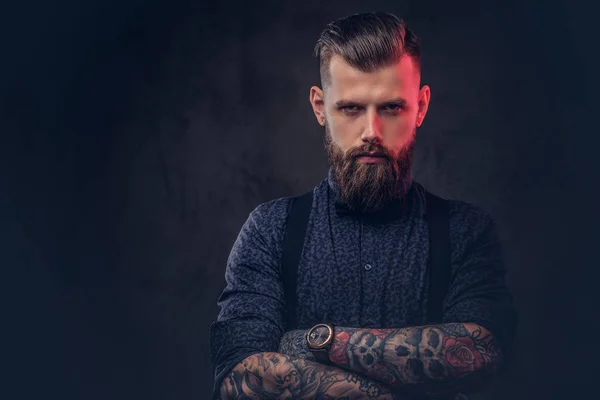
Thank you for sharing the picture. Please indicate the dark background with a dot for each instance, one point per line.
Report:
(138, 135)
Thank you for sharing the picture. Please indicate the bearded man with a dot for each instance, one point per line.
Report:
(368, 286)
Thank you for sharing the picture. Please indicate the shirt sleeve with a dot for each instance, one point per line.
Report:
(478, 292)
(250, 320)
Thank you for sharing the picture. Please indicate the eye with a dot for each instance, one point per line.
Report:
(393, 108)
(350, 109)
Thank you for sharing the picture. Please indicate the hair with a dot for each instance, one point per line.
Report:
(367, 42)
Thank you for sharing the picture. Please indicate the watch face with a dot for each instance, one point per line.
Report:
(318, 336)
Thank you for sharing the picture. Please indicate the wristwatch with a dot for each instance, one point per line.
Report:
(319, 339)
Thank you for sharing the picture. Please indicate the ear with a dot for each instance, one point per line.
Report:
(424, 96)
(317, 100)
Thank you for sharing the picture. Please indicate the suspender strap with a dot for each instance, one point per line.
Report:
(298, 212)
(439, 256)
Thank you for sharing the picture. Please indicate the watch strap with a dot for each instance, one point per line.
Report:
(321, 355)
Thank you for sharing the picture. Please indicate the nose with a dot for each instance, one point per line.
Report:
(372, 131)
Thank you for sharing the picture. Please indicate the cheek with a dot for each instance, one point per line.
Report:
(344, 132)
(400, 125)
(398, 133)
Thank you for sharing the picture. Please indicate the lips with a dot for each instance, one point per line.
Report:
(371, 155)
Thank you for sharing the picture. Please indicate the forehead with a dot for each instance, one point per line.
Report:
(397, 79)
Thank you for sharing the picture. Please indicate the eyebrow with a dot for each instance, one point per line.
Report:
(345, 102)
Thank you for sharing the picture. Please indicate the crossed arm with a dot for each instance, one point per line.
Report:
(274, 376)
(425, 359)
(370, 363)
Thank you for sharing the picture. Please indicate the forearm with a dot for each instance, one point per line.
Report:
(435, 358)
(438, 357)
(274, 376)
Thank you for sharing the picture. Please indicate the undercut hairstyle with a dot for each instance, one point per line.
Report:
(367, 42)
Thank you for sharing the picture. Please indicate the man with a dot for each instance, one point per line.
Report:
(362, 285)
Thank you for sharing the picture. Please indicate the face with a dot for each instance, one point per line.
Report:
(370, 121)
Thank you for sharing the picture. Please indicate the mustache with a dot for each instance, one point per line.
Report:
(370, 150)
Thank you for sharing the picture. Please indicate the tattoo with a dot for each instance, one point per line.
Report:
(293, 343)
(274, 376)
(439, 357)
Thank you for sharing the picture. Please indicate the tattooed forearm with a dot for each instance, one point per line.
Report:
(275, 376)
(293, 343)
(447, 356)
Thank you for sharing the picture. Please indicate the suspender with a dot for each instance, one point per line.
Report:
(293, 241)
(439, 254)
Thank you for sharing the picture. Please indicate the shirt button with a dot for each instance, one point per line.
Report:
(368, 267)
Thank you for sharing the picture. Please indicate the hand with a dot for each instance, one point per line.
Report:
(293, 344)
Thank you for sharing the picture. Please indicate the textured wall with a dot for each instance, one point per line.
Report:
(138, 136)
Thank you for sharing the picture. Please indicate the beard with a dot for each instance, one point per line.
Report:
(367, 187)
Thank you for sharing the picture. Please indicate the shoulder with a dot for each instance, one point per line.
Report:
(468, 217)
(472, 229)
(269, 217)
(262, 232)
(271, 210)
(463, 215)
(469, 223)
(265, 226)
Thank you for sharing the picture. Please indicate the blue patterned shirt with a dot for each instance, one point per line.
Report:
(364, 271)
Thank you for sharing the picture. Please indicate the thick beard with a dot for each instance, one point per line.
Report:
(370, 187)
